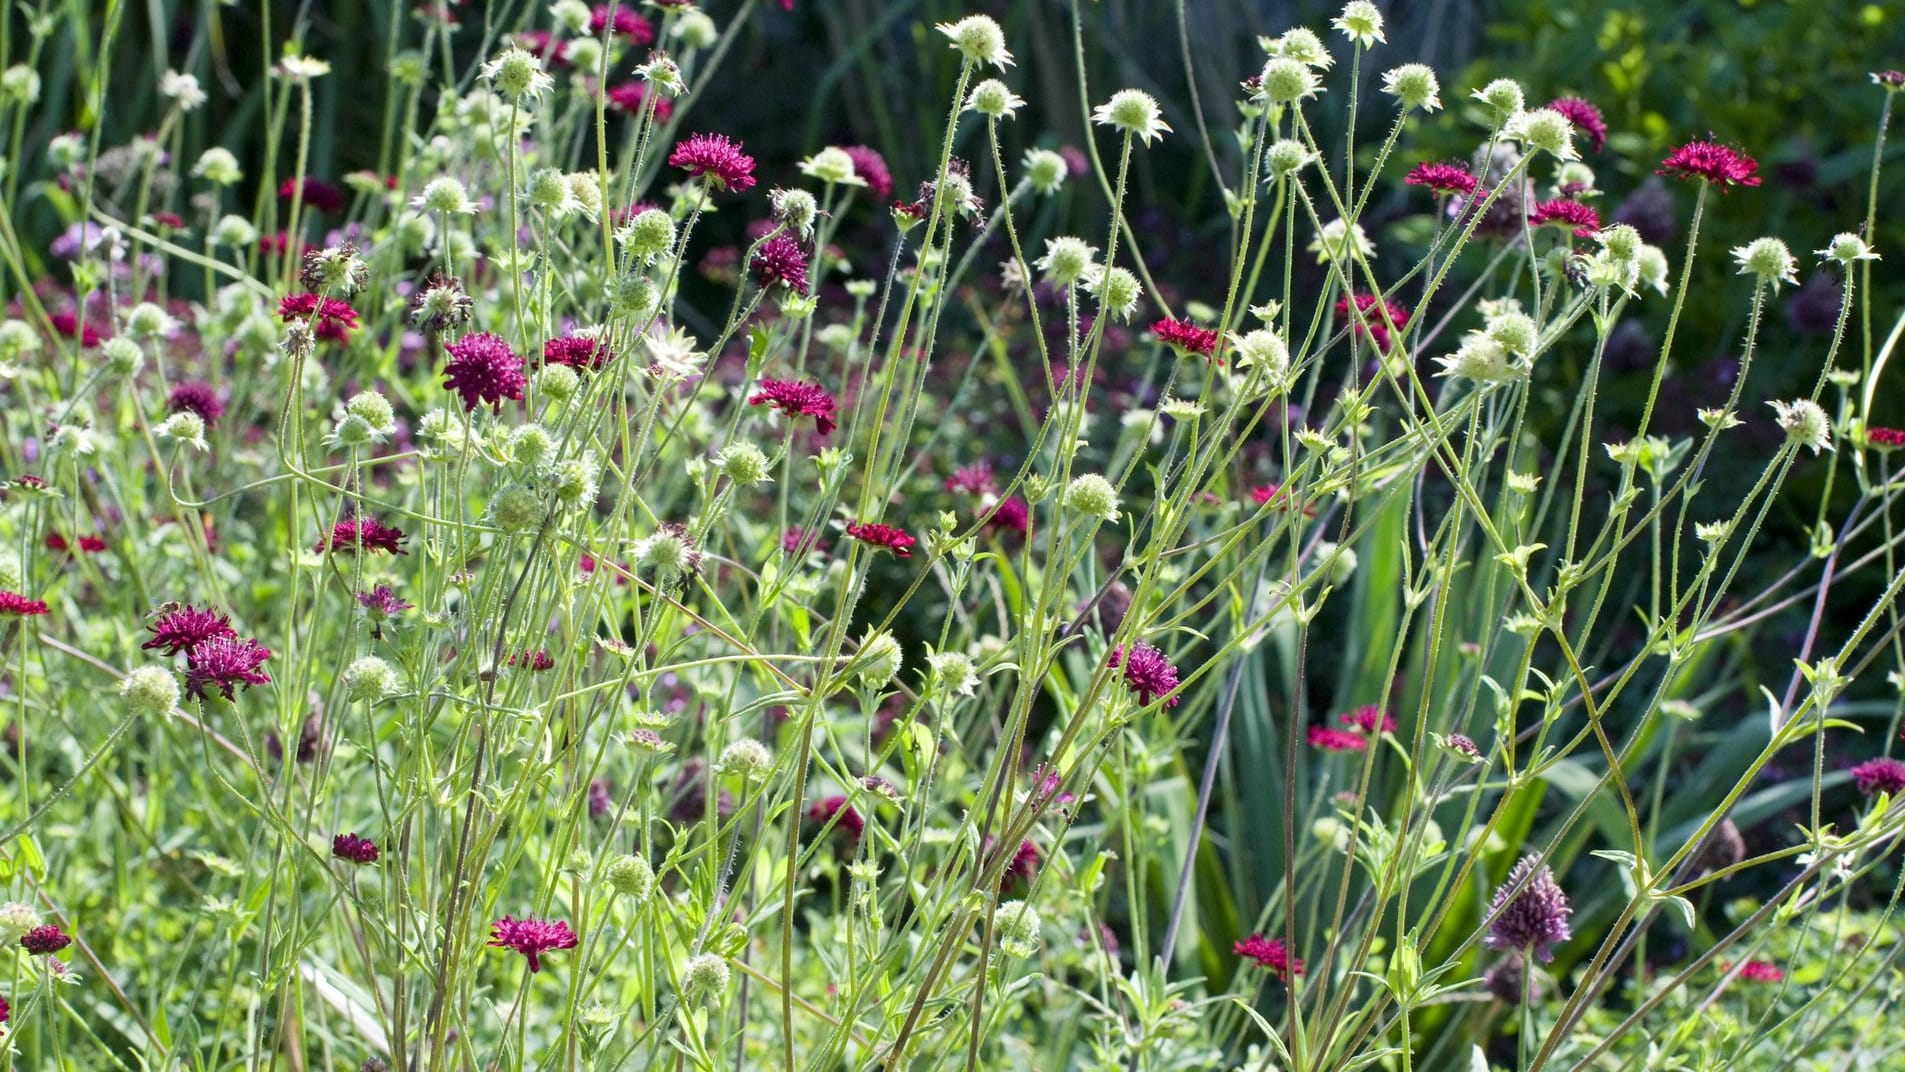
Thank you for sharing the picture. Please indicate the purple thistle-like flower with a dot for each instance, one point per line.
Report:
(221, 664)
(196, 398)
(717, 158)
(531, 937)
(185, 628)
(1530, 912)
(45, 940)
(871, 167)
(580, 352)
(1710, 161)
(381, 603)
(1585, 116)
(354, 849)
(1271, 954)
(484, 370)
(1882, 775)
(1146, 671)
(1565, 213)
(780, 260)
(1442, 178)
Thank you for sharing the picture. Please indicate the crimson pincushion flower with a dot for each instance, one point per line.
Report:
(1710, 161)
(68, 325)
(1585, 117)
(45, 940)
(871, 167)
(531, 937)
(1010, 515)
(974, 479)
(580, 352)
(885, 536)
(1885, 438)
(780, 260)
(221, 664)
(1529, 911)
(715, 157)
(795, 399)
(1882, 775)
(1369, 719)
(183, 628)
(334, 319)
(631, 97)
(1185, 337)
(1269, 953)
(1582, 218)
(196, 397)
(1147, 671)
(1442, 178)
(1331, 739)
(484, 370)
(850, 822)
(354, 849)
(1761, 971)
(1377, 330)
(626, 22)
(366, 533)
(16, 605)
(317, 193)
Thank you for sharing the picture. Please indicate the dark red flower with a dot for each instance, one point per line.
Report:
(221, 664)
(366, 533)
(824, 811)
(717, 158)
(1146, 672)
(1885, 438)
(1185, 337)
(182, 628)
(1330, 739)
(45, 940)
(1712, 162)
(381, 603)
(16, 605)
(1585, 117)
(1761, 971)
(626, 22)
(543, 44)
(1442, 178)
(1582, 218)
(795, 399)
(781, 260)
(1369, 719)
(877, 535)
(354, 849)
(1376, 330)
(484, 370)
(630, 97)
(6, 1011)
(318, 194)
(1269, 953)
(196, 397)
(531, 937)
(599, 799)
(1264, 494)
(537, 660)
(974, 479)
(1882, 775)
(579, 352)
(1010, 515)
(334, 319)
(68, 325)
(871, 166)
(798, 541)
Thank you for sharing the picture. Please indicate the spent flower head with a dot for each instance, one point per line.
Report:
(1361, 22)
(1414, 85)
(1804, 423)
(1133, 113)
(979, 40)
(1769, 260)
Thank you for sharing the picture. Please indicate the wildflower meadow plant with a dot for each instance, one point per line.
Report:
(587, 592)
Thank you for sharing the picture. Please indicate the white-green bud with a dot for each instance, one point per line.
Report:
(371, 679)
(149, 691)
(1092, 496)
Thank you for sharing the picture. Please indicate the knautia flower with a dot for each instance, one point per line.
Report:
(979, 40)
(45, 940)
(1286, 157)
(631, 876)
(1045, 170)
(866, 168)
(1369, 719)
(1331, 739)
(362, 534)
(743, 463)
(444, 195)
(669, 555)
(1585, 117)
(1269, 954)
(531, 937)
(796, 209)
(1372, 320)
(1529, 913)
(123, 357)
(551, 194)
(780, 260)
(878, 660)
(335, 270)
(354, 850)
(584, 353)
(329, 318)
(716, 158)
(1881, 775)
(1504, 98)
(1340, 240)
(835, 167)
(1414, 85)
(370, 678)
(1579, 219)
(1092, 496)
(1479, 358)
(1804, 423)
(952, 672)
(1710, 162)
(1546, 130)
(791, 398)
(1133, 113)
(1147, 672)
(1846, 248)
(993, 99)
(1286, 81)
(648, 234)
(705, 976)
(1653, 268)
(183, 90)
(1301, 44)
(483, 370)
(1019, 927)
(1067, 260)
(150, 691)
(181, 628)
(517, 75)
(17, 919)
(1361, 23)
(1117, 291)
(1185, 338)
(219, 167)
(747, 757)
(1442, 178)
(1262, 349)
(1761, 971)
(1885, 438)
(222, 664)
(882, 537)
(1769, 260)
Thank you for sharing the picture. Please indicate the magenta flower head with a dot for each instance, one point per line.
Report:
(15, 605)
(381, 603)
(716, 158)
(845, 819)
(1146, 671)
(353, 849)
(626, 22)
(1882, 775)
(1185, 337)
(330, 318)
(531, 937)
(182, 628)
(795, 399)
(1529, 911)
(484, 370)
(877, 535)
(196, 398)
(1369, 719)
(1331, 739)
(780, 260)
(363, 533)
(221, 664)
(1709, 161)
(1370, 324)
(1270, 954)
(580, 352)
(1585, 117)
(1442, 178)
(1565, 213)
(45, 940)
(871, 167)
(1761, 971)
